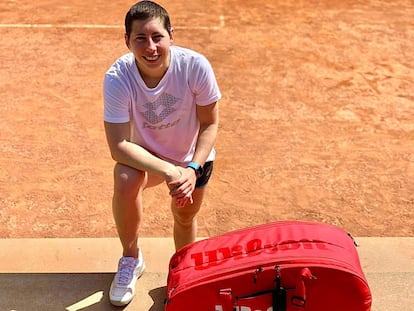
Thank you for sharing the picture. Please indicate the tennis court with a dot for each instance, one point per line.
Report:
(316, 120)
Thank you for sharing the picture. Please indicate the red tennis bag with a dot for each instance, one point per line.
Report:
(282, 266)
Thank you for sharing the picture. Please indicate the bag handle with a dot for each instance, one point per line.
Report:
(299, 295)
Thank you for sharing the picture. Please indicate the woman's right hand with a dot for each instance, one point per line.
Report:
(182, 188)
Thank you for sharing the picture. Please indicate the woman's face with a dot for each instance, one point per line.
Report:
(150, 42)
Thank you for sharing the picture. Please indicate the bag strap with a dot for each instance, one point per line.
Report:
(279, 294)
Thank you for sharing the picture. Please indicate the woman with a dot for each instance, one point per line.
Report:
(161, 122)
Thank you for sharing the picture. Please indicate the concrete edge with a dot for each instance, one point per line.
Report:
(90, 255)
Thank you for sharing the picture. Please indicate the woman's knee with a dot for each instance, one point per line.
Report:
(185, 215)
(184, 219)
(128, 179)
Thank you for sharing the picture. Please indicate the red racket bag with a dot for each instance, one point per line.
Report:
(281, 266)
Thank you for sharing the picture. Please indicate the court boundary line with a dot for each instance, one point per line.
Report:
(221, 24)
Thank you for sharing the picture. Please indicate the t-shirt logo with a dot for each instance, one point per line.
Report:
(160, 109)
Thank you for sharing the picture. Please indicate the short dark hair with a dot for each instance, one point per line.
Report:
(146, 9)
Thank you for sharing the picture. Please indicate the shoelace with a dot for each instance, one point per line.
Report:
(125, 272)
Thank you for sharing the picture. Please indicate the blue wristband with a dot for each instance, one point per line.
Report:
(196, 167)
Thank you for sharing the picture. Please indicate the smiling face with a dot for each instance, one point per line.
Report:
(150, 42)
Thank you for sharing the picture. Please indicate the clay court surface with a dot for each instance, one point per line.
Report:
(317, 115)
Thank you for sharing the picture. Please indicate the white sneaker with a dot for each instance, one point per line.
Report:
(123, 286)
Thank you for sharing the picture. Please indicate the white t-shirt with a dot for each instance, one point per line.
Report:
(163, 119)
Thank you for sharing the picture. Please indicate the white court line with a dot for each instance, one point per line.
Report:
(59, 26)
(98, 26)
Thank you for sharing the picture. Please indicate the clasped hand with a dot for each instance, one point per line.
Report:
(181, 189)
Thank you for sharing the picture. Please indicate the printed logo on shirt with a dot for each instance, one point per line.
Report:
(159, 110)
(162, 126)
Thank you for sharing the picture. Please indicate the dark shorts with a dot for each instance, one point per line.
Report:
(203, 179)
